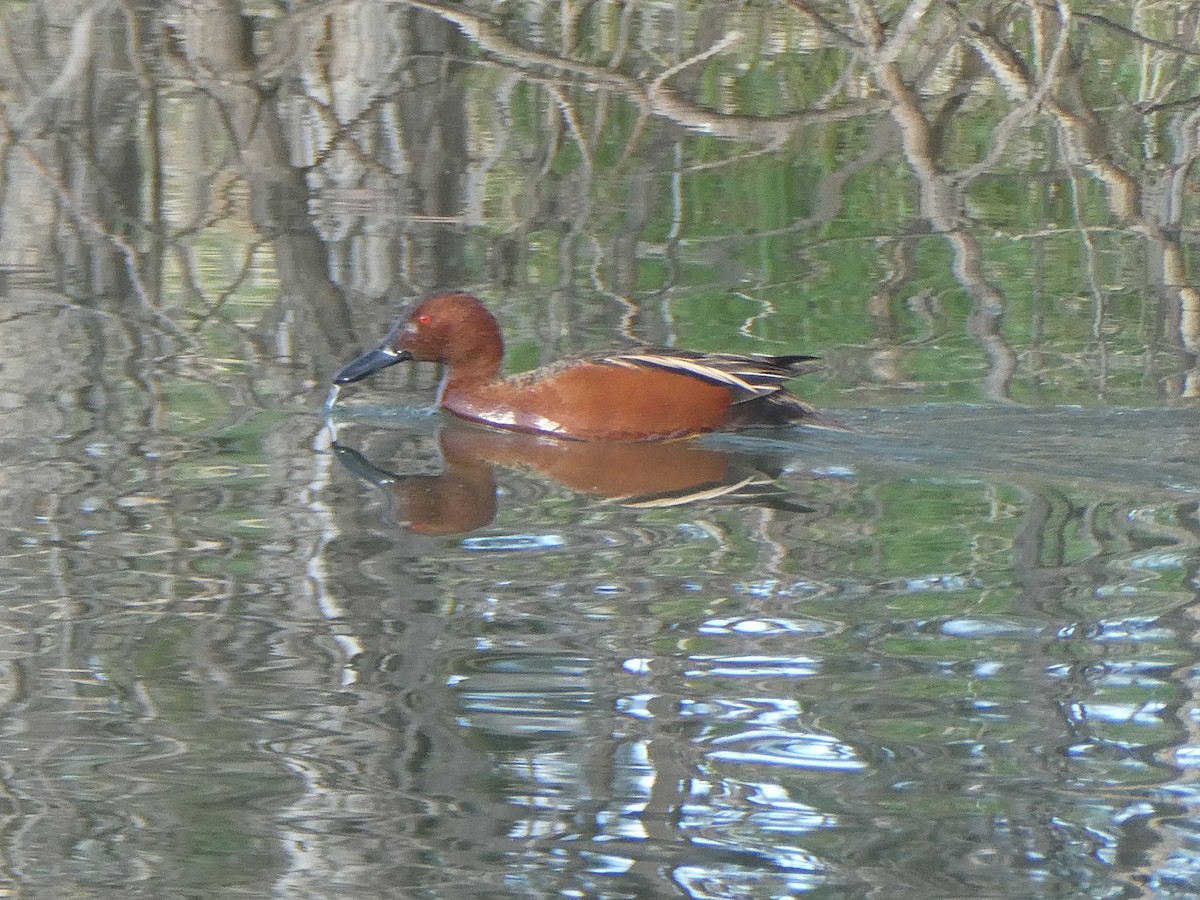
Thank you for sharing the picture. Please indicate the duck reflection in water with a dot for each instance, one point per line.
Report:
(463, 496)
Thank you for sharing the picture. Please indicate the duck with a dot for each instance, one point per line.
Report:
(631, 394)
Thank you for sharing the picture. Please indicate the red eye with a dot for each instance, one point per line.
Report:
(424, 319)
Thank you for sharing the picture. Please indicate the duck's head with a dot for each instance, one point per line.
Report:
(452, 328)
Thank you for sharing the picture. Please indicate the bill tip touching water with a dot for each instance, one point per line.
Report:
(632, 394)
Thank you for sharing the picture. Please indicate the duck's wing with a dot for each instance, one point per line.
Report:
(751, 376)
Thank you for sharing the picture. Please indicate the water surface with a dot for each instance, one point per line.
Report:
(250, 652)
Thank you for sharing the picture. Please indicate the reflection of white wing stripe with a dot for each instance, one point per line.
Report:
(720, 490)
(686, 365)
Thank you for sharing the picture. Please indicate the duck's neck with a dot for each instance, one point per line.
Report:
(459, 377)
(473, 354)
(472, 366)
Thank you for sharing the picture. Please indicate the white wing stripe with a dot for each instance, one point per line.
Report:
(710, 373)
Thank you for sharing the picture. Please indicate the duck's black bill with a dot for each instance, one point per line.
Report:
(369, 363)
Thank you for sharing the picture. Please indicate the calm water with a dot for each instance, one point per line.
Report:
(249, 649)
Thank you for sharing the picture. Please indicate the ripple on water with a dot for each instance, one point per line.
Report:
(761, 666)
(1144, 714)
(1132, 628)
(979, 627)
(718, 882)
(760, 711)
(523, 694)
(808, 750)
(605, 863)
(768, 588)
(763, 626)
(731, 805)
(509, 542)
(1159, 561)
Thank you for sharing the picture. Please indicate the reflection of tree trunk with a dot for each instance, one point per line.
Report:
(78, 151)
(941, 198)
(217, 39)
(886, 356)
(432, 112)
(1154, 206)
(387, 120)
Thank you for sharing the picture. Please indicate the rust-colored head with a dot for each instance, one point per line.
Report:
(452, 328)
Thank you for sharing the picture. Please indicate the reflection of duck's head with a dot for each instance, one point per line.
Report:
(463, 496)
(641, 394)
(459, 499)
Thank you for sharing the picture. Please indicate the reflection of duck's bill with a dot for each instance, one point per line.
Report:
(357, 464)
(753, 488)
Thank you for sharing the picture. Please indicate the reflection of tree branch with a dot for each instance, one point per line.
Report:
(903, 33)
(656, 85)
(343, 134)
(1136, 35)
(1007, 66)
(474, 188)
(488, 37)
(1154, 208)
(834, 34)
(128, 253)
(1082, 142)
(937, 201)
(80, 53)
(1033, 95)
(766, 309)
(1167, 105)
(1099, 299)
(885, 355)
(621, 44)
(216, 40)
(245, 272)
(568, 114)
(584, 190)
(662, 102)
(941, 201)
(830, 192)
